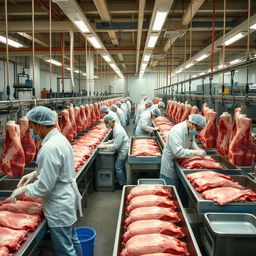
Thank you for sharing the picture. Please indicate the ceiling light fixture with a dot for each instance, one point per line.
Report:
(234, 61)
(10, 42)
(82, 26)
(146, 57)
(159, 20)
(94, 42)
(204, 56)
(112, 65)
(221, 66)
(253, 26)
(106, 58)
(202, 74)
(152, 40)
(235, 38)
(77, 71)
(54, 62)
(189, 65)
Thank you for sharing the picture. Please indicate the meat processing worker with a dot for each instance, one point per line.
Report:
(129, 109)
(120, 143)
(181, 144)
(143, 100)
(120, 114)
(106, 111)
(141, 109)
(144, 127)
(53, 182)
(159, 105)
(124, 108)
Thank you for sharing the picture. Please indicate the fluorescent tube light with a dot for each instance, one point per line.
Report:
(77, 71)
(94, 42)
(96, 77)
(144, 65)
(106, 58)
(54, 62)
(112, 65)
(10, 42)
(82, 26)
(68, 69)
(204, 56)
(235, 38)
(179, 71)
(234, 61)
(221, 66)
(152, 40)
(253, 26)
(189, 65)
(159, 20)
(202, 74)
(146, 57)
(84, 74)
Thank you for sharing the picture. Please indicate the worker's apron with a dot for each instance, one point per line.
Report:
(78, 197)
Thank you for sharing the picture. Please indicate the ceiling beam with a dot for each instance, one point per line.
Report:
(29, 37)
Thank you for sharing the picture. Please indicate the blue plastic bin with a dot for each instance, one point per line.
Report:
(87, 238)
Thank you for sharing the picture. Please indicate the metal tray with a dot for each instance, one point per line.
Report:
(132, 159)
(189, 236)
(155, 182)
(223, 161)
(229, 234)
(202, 206)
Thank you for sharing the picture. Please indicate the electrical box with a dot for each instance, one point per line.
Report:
(105, 170)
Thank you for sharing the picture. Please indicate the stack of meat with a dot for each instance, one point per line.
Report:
(164, 126)
(198, 162)
(209, 134)
(16, 220)
(83, 146)
(145, 147)
(220, 188)
(151, 224)
(241, 151)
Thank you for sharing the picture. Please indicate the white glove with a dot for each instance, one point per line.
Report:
(156, 129)
(17, 192)
(29, 178)
(101, 146)
(198, 152)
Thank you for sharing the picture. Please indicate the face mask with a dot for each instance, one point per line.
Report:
(193, 132)
(108, 126)
(35, 137)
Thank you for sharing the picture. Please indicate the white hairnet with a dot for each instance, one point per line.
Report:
(156, 111)
(118, 103)
(149, 102)
(104, 109)
(42, 115)
(122, 100)
(109, 118)
(161, 104)
(197, 119)
(113, 107)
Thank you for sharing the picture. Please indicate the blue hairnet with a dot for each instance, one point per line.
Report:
(150, 103)
(118, 103)
(122, 100)
(197, 119)
(161, 104)
(104, 109)
(113, 107)
(109, 118)
(42, 115)
(156, 111)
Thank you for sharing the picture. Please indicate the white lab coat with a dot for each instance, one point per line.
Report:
(141, 109)
(120, 142)
(178, 145)
(120, 114)
(129, 106)
(124, 108)
(55, 171)
(114, 116)
(144, 127)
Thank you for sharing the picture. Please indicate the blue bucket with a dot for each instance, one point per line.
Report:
(87, 238)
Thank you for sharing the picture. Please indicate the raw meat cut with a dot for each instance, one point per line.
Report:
(83, 118)
(201, 175)
(11, 238)
(209, 134)
(57, 121)
(242, 149)
(21, 198)
(194, 110)
(27, 142)
(88, 115)
(204, 108)
(149, 200)
(186, 112)
(27, 207)
(145, 147)
(65, 125)
(78, 119)
(72, 119)
(148, 190)
(159, 254)
(19, 220)
(224, 133)
(154, 243)
(237, 113)
(4, 251)
(152, 227)
(93, 115)
(226, 195)
(198, 162)
(12, 160)
(152, 213)
(214, 182)
(97, 111)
